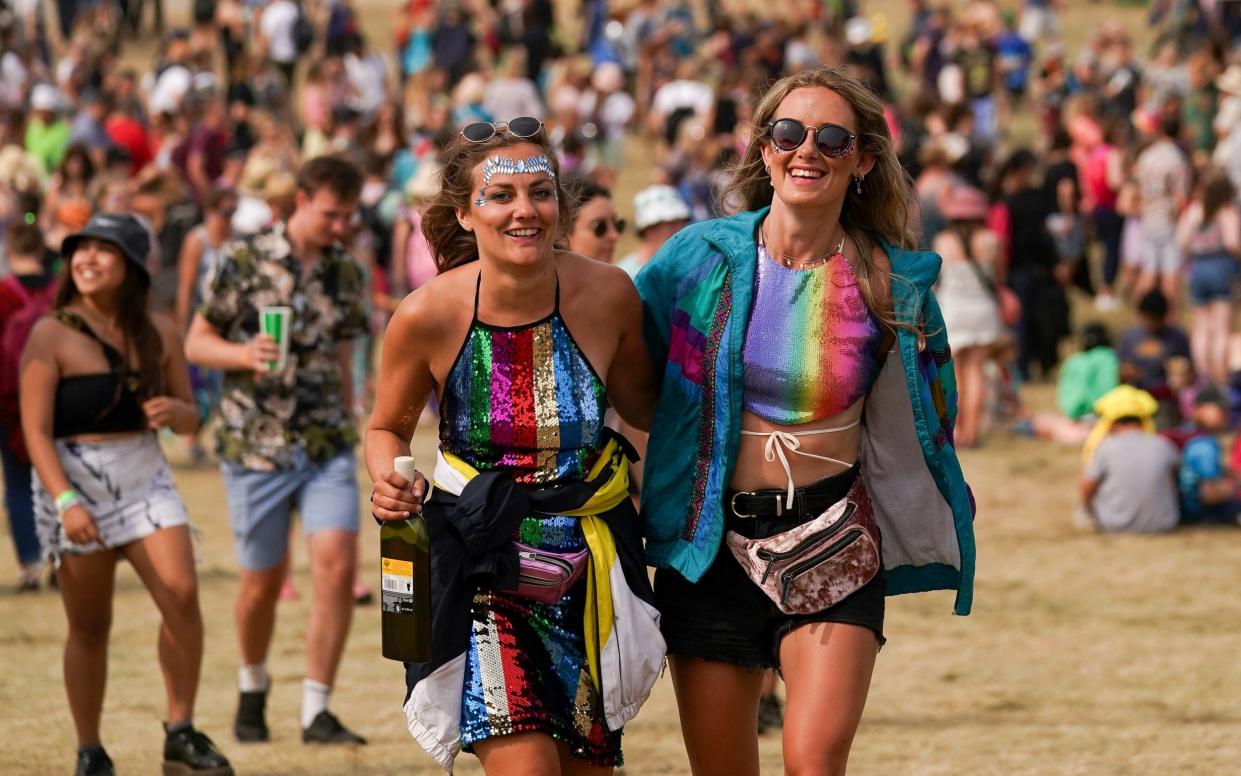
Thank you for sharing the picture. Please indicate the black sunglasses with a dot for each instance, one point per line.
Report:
(600, 226)
(832, 140)
(482, 131)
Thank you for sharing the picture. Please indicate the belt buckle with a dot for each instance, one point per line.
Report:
(732, 504)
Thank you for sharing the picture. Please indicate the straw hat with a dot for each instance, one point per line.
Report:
(1229, 81)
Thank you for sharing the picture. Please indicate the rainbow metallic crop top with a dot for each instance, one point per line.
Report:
(812, 344)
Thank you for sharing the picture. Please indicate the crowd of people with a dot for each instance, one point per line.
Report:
(272, 154)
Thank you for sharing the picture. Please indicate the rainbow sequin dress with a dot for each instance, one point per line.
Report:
(525, 399)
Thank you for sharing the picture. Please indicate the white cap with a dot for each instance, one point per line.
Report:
(657, 205)
(44, 97)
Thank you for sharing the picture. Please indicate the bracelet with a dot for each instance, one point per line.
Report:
(67, 500)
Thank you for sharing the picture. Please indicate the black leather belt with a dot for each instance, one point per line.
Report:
(808, 502)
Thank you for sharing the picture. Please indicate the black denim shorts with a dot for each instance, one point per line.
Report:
(726, 617)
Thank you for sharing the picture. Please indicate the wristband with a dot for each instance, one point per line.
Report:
(67, 500)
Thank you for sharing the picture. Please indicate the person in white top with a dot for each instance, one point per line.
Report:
(276, 23)
(1164, 177)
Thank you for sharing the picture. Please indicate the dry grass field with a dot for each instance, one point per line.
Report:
(1085, 654)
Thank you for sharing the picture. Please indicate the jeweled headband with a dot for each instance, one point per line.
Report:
(502, 165)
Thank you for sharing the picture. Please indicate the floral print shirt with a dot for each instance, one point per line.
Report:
(275, 421)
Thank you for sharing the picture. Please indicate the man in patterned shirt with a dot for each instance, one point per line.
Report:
(286, 436)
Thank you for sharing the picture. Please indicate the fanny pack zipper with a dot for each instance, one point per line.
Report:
(773, 557)
(786, 576)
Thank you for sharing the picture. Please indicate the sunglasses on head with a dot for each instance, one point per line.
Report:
(832, 140)
(600, 226)
(482, 131)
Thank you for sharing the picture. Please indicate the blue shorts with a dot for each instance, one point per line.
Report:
(1211, 277)
(260, 505)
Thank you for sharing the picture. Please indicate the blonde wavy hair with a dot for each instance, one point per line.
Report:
(880, 213)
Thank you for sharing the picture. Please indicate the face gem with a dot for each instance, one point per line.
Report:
(502, 165)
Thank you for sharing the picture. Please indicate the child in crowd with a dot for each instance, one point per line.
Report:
(1145, 350)
(1130, 480)
(1207, 487)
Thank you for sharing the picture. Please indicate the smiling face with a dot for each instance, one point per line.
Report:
(515, 211)
(804, 177)
(97, 267)
(593, 217)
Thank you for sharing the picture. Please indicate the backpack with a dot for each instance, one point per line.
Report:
(32, 305)
(303, 31)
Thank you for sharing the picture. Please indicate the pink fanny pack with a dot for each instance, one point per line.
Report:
(547, 576)
(813, 566)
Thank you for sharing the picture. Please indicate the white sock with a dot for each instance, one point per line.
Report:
(314, 700)
(253, 678)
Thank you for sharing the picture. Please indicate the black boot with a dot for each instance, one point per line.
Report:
(188, 752)
(93, 761)
(251, 722)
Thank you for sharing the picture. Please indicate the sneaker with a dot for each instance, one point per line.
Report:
(288, 592)
(770, 713)
(326, 729)
(189, 752)
(94, 762)
(251, 723)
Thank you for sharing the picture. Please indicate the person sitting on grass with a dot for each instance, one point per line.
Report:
(1208, 490)
(1146, 349)
(1085, 377)
(1129, 484)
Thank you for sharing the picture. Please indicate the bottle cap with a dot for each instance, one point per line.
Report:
(404, 466)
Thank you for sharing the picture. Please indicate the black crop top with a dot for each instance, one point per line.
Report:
(100, 403)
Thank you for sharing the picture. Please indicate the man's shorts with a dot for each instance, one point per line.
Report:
(1160, 252)
(260, 505)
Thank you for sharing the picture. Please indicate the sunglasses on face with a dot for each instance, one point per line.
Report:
(600, 226)
(482, 131)
(832, 140)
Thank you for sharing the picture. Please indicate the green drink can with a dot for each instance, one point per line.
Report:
(275, 322)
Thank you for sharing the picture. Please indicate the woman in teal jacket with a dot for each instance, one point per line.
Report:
(804, 363)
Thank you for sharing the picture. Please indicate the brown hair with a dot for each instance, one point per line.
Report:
(880, 212)
(25, 240)
(450, 243)
(138, 332)
(1217, 193)
(333, 173)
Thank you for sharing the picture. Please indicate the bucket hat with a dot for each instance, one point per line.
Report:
(120, 229)
(658, 205)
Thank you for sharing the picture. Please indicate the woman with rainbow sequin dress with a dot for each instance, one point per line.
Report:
(524, 347)
(805, 414)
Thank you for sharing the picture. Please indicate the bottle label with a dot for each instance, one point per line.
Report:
(397, 583)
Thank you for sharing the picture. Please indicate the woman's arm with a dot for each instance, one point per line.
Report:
(176, 409)
(40, 373)
(1230, 229)
(187, 275)
(631, 382)
(1188, 224)
(403, 383)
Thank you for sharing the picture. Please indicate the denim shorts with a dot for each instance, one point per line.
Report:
(1211, 278)
(727, 618)
(260, 505)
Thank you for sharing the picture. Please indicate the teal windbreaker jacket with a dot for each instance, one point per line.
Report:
(697, 293)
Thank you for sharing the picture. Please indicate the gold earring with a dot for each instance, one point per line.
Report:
(857, 183)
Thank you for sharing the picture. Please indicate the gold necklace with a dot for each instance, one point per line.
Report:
(792, 262)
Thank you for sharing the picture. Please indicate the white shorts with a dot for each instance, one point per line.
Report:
(126, 486)
(1160, 253)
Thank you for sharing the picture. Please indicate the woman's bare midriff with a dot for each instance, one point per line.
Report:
(91, 439)
(754, 472)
